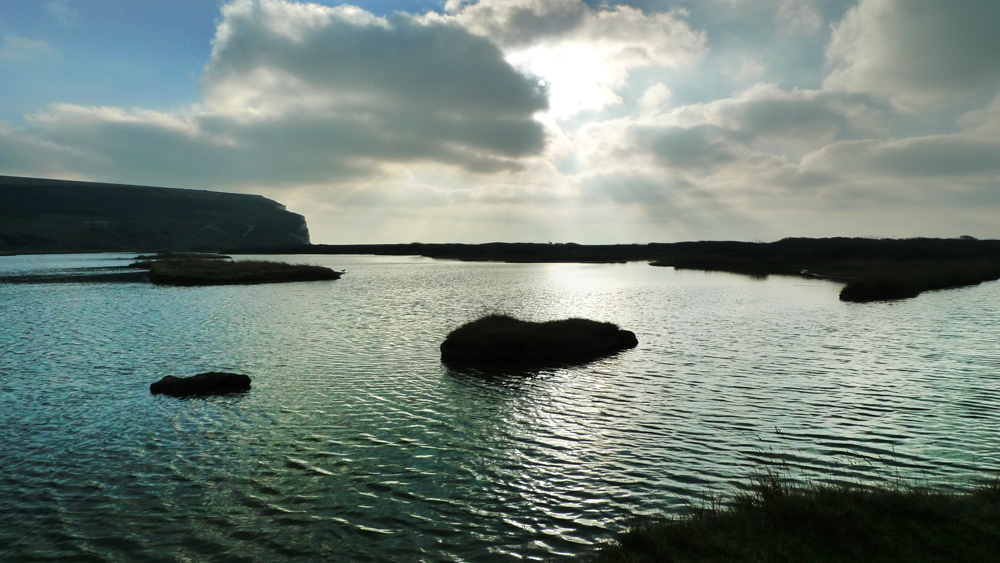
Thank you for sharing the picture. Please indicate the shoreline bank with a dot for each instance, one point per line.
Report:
(775, 521)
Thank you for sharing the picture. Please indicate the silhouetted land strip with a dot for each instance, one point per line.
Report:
(785, 255)
(774, 521)
(487, 252)
(191, 270)
(504, 340)
(144, 261)
(110, 277)
(221, 272)
(872, 269)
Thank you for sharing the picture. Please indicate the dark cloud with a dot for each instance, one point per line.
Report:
(791, 116)
(761, 121)
(703, 147)
(363, 64)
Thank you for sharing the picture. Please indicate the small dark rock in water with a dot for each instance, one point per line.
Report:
(211, 383)
(500, 339)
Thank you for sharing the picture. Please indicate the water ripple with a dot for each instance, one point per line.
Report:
(357, 444)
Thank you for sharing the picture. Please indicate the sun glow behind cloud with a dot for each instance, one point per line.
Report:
(574, 74)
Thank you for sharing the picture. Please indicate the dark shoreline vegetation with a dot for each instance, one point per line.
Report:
(775, 521)
(223, 272)
(144, 261)
(872, 269)
(498, 339)
(187, 269)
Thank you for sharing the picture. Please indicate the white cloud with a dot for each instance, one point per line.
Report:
(921, 54)
(983, 124)
(766, 149)
(656, 99)
(304, 93)
(22, 49)
(764, 119)
(751, 69)
(936, 156)
(436, 127)
(583, 54)
(799, 16)
(24, 153)
(64, 11)
(971, 153)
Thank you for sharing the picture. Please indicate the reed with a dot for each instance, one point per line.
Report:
(776, 521)
(865, 279)
(219, 272)
(884, 281)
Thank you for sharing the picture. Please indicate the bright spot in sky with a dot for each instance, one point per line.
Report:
(578, 77)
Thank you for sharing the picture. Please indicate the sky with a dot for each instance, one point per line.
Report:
(525, 120)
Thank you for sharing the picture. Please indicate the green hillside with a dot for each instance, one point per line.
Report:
(39, 215)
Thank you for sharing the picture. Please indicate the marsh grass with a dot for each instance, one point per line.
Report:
(144, 261)
(501, 338)
(865, 279)
(774, 520)
(908, 279)
(218, 272)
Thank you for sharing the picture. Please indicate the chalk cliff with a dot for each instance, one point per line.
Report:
(40, 215)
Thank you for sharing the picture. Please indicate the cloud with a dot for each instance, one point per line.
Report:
(656, 99)
(24, 153)
(750, 159)
(751, 69)
(584, 54)
(628, 188)
(757, 122)
(22, 49)
(799, 16)
(919, 53)
(622, 32)
(402, 88)
(934, 156)
(823, 153)
(64, 11)
(704, 147)
(345, 60)
(299, 93)
(569, 120)
(983, 124)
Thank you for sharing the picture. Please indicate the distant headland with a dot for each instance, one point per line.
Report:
(46, 216)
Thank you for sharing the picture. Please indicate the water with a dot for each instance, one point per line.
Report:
(356, 443)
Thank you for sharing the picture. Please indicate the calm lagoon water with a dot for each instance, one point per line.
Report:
(356, 443)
